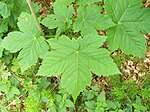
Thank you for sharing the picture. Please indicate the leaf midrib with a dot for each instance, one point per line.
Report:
(131, 39)
(125, 12)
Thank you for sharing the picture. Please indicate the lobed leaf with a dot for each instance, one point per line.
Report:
(86, 2)
(64, 2)
(29, 42)
(4, 10)
(90, 19)
(61, 19)
(27, 24)
(15, 41)
(75, 59)
(22, 6)
(129, 19)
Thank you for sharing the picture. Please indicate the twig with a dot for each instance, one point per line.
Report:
(35, 17)
(14, 101)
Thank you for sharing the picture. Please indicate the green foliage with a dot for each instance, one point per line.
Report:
(144, 93)
(40, 73)
(14, 7)
(73, 58)
(89, 20)
(99, 103)
(33, 102)
(78, 2)
(122, 91)
(1, 49)
(130, 20)
(64, 2)
(9, 13)
(29, 41)
(5, 8)
(86, 2)
(21, 6)
(62, 18)
(138, 106)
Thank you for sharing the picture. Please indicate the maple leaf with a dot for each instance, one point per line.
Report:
(61, 19)
(28, 40)
(75, 59)
(89, 20)
(86, 2)
(64, 2)
(130, 20)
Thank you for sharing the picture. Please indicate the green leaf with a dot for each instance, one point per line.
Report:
(3, 25)
(64, 2)
(90, 104)
(44, 83)
(63, 109)
(4, 10)
(101, 97)
(22, 6)
(3, 88)
(89, 20)
(86, 2)
(29, 41)
(120, 110)
(13, 91)
(27, 24)
(52, 109)
(99, 109)
(89, 95)
(1, 49)
(30, 54)
(69, 103)
(75, 59)
(1, 34)
(130, 19)
(8, 8)
(61, 19)
(57, 97)
(16, 40)
(98, 59)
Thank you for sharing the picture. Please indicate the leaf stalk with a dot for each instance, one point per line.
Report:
(35, 17)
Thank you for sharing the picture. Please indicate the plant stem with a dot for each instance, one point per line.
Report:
(14, 101)
(35, 17)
